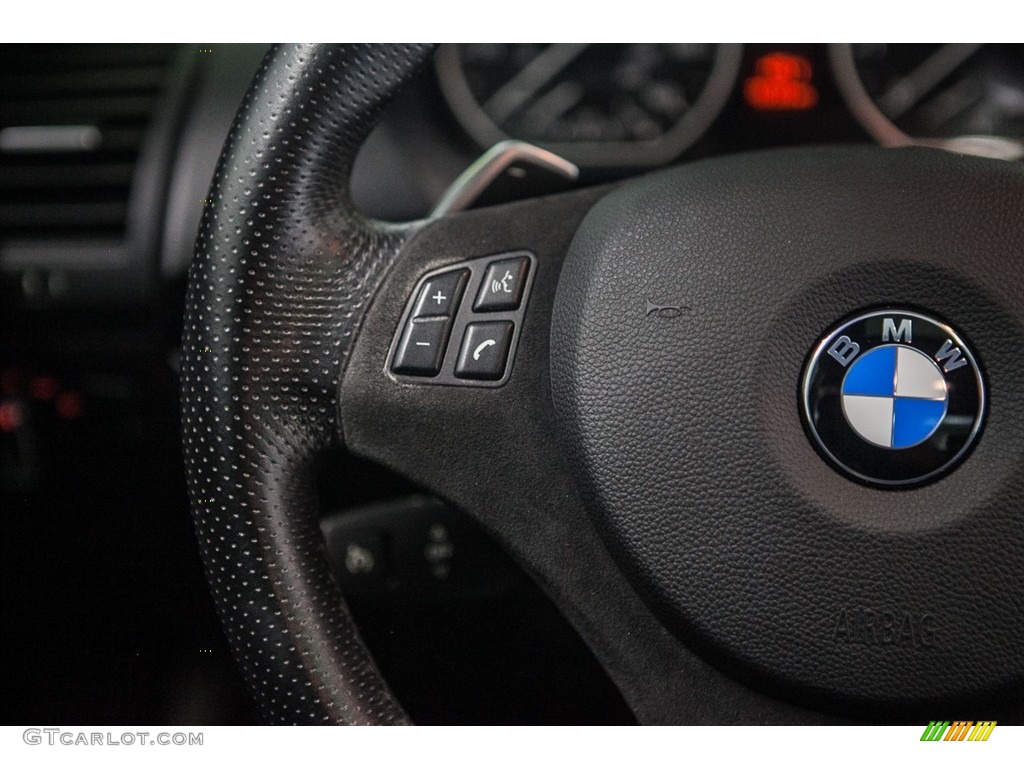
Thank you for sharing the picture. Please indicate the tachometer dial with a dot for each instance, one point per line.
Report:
(961, 96)
(596, 105)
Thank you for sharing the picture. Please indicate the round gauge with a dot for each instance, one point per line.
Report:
(595, 105)
(965, 97)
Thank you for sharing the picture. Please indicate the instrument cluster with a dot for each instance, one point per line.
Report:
(614, 108)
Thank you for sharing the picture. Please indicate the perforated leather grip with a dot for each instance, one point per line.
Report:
(282, 274)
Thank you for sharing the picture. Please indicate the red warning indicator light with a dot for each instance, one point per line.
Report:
(781, 83)
(10, 417)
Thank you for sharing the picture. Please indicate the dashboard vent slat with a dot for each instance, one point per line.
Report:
(114, 80)
(66, 175)
(105, 215)
(57, 111)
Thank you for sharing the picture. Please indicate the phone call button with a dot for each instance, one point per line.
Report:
(484, 350)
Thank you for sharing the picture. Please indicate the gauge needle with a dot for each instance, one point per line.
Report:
(511, 97)
(908, 90)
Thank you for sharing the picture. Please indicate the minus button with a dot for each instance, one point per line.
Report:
(421, 349)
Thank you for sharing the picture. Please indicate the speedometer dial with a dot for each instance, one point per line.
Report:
(596, 105)
(962, 96)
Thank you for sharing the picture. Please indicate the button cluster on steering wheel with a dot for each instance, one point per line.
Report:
(486, 328)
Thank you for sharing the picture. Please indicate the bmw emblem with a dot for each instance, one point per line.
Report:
(893, 398)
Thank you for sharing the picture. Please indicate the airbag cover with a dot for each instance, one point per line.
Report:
(686, 310)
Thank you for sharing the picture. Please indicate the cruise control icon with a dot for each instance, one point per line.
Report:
(893, 397)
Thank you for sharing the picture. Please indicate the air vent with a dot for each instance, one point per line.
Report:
(86, 138)
(72, 122)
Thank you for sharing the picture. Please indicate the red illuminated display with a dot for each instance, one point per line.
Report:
(781, 83)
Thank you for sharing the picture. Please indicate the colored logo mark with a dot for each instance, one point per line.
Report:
(894, 396)
(958, 730)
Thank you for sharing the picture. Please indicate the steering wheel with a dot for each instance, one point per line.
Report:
(632, 432)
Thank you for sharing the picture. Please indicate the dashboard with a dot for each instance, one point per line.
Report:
(106, 156)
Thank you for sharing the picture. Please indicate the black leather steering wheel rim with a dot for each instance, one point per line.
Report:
(282, 273)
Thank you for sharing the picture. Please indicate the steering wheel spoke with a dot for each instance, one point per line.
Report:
(490, 450)
(495, 453)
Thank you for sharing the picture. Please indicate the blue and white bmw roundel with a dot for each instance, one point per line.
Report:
(893, 397)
